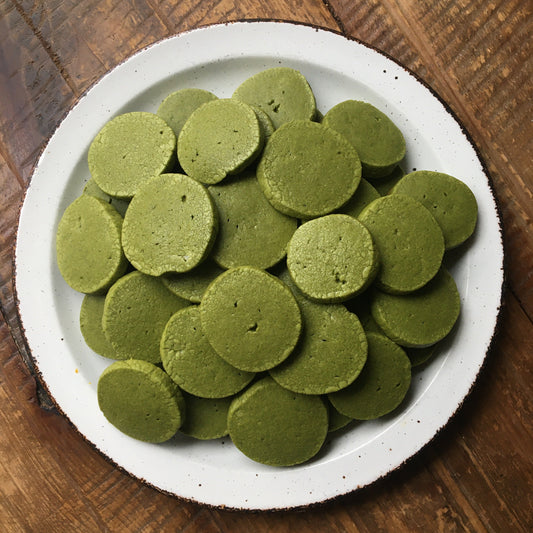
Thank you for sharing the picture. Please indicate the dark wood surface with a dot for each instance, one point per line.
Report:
(477, 475)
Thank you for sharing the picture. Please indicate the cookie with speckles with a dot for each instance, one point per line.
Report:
(140, 400)
(364, 195)
(381, 386)
(332, 258)
(282, 93)
(136, 309)
(170, 225)
(450, 201)
(250, 318)
(91, 188)
(420, 318)
(308, 170)
(331, 352)
(221, 137)
(88, 248)
(277, 427)
(409, 242)
(378, 141)
(178, 106)
(191, 362)
(129, 150)
(251, 231)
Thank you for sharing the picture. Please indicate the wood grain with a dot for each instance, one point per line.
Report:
(477, 474)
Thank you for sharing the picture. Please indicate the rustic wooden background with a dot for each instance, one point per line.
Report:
(477, 475)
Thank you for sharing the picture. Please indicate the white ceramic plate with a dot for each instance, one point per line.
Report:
(219, 58)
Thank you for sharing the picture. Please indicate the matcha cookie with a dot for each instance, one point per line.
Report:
(332, 258)
(178, 106)
(265, 123)
(381, 386)
(129, 150)
(251, 231)
(221, 137)
(336, 420)
(191, 362)
(449, 200)
(308, 170)
(250, 318)
(88, 246)
(136, 310)
(409, 242)
(385, 184)
(282, 93)
(364, 195)
(140, 400)
(170, 226)
(91, 188)
(274, 426)
(191, 285)
(91, 311)
(378, 141)
(331, 351)
(420, 318)
(207, 418)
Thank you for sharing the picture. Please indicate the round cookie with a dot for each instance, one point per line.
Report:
(331, 352)
(91, 311)
(191, 285)
(282, 93)
(140, 400)
(170, 225)
(386, 183)
(381, 386)
(178, 106)
(88, 250)
(136, 310)
(221, 137)
(420, 318)
(207, 418)
(336, 420)
(378, 141)
(409, 242)
(191, 362)
(308, 170)
(250, 318)
(450, 201)
(274, 426)
(265, 123)
(251, 231)
(129, 150)
(364, 195)
(332, 258)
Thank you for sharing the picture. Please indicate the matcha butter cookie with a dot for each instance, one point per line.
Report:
(129, 150)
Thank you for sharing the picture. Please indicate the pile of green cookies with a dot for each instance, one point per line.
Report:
(257, 269)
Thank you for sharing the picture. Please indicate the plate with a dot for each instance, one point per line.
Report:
(218, 58)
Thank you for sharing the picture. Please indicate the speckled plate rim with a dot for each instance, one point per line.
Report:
(217, 58)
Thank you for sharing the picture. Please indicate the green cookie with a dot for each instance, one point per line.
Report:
(91, 188)
(420, 318)
(136, 310)
(332, 258)
(207, 418)
(250, 318)
(308, 170)
(88, 250)
(364, 195)
(282, 93)
(409, 242)
(251, 231)
(191, 362)
(91, 311)
(379, 143)
(450, 201)
(274, 426)
(170, 225)
(221, 137)
(140, 400)
(381, 386)
(129, 150)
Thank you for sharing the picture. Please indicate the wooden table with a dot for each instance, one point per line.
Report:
(477, 475)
